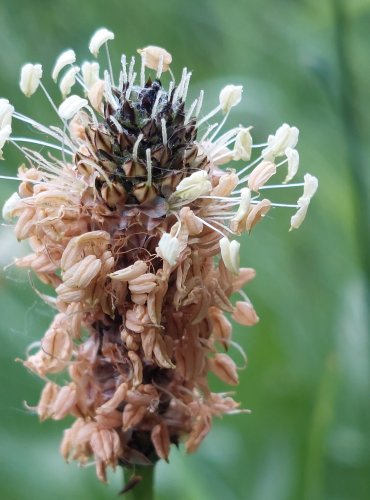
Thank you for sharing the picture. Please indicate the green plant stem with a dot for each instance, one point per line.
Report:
(144, 489)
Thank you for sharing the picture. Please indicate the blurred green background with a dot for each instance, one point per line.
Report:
(304, 62)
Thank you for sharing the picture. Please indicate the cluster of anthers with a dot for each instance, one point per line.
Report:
(130, 216)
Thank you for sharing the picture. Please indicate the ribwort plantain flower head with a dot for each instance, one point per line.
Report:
(132, 219)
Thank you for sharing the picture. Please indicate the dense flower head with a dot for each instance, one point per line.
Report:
(131, 220)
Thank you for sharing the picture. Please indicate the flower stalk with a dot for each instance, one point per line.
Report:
(140, 483)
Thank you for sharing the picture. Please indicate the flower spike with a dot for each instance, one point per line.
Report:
(131, 209)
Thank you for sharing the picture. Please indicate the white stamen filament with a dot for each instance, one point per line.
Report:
(136, 146)
(160, 67)
(221, 157)
(164, 131)
(93, 115)
(284, 205)
(81, 82)
(179, 228)
(109, 62)
(155, 105)
(186, 86)
(225, 139)
(33, 156)
(189, 114)
(200, 102)
(108, 90)
(277, 186)
(124, 70)
(223, 226)
(41, 143)
(9, 178)
(172, 76)
(222, 198)
(42, 128)
(283, 162)
(208, 131)
(130, 85)
(220, 126)
(98, 169)
(209, 225)
(248, 167)
(149, 166)
(224, 216)
(142, 71)
(49, 98)
(210, 115)
(116, 123)
(131, 69)
(170, 88)
(179, 89)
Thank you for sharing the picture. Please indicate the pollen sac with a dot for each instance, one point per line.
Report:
(30, 78)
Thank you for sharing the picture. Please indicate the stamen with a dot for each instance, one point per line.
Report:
(284, 205)
(164, 131)
(9, 178)
(52, 131)
(179, 89)
(123, 74)
(131, 83)
(208, 131)
(209, 225)
(155, 105)
(200, 102)
(210, 114)
(222, 198)
(109, 63)
(35, 157)
(131, 69)
(93, 115)
(98, 169)
(186, 86)
(63, 143)
(283, 162)
(49, 98)
(142, 71)
(149, 166)
(224, 227)
(170, 88)
(221, 157)
(81, 82)
(41, 143)
(136, 146)
(220, 126)
(160, 67)
(172, 76)
(190, 112)
(116, 123)
(108, 90)
(247, 167)
(276, 186)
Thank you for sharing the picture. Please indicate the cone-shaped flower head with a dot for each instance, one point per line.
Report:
(132, 223)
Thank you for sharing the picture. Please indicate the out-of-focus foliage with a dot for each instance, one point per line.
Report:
(308, 376)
